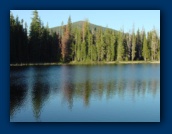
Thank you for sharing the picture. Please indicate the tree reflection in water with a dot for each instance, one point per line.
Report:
(75, 84)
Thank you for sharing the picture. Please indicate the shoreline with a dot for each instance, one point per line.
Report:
(86, 63)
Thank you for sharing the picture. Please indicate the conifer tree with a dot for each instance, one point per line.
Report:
(112, 46)
(138, 53)
(133, 44)
(88, 43)
(145, 51)
(149, 43)
(67, 42)
(154, 44)
(34, 36)
(120, 50)
(65, 38)
(107, 44)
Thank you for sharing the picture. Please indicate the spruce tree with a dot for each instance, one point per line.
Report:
(120, 50)
(112, 46)
(145, 51)
(34, 35)
(133, 45)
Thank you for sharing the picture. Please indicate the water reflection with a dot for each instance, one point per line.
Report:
(72, 84)
(67, 86)
(17, 98)
(40, 94)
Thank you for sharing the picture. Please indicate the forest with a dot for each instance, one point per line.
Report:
(73, 44)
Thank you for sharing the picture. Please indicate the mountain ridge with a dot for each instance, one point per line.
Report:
(79, 24)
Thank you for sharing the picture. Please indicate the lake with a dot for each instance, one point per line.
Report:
(85, 93)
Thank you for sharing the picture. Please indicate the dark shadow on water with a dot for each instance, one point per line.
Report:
(17, 97)
(40, 93)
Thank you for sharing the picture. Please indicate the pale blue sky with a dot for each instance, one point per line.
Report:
(115, 19)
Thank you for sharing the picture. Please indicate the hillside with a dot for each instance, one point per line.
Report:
(79, 24)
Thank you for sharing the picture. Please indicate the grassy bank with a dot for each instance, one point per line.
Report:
(116, 62)
(87, 63)
(139, 62)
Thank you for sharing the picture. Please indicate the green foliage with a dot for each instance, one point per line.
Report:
(158, 50)
(18, 40)
(80, 42)
(133, 45)
(139, 45)
(79, 25)
(145, 51)
(112, 46)
(154, 45)
(120, 50)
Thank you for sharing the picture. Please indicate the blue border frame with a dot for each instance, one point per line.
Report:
(166, 90)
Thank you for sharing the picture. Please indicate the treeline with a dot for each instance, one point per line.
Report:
(75, 44)
(38, 46)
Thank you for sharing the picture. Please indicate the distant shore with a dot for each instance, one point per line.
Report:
(134, 62)
(87, 63)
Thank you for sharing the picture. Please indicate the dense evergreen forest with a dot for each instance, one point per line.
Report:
(42, 45)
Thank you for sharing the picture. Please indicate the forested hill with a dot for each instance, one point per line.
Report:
(79, 42)
(79, 25)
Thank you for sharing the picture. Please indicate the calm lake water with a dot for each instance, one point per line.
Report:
(85, 93)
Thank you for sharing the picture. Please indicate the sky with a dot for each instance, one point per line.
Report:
(115, 19)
